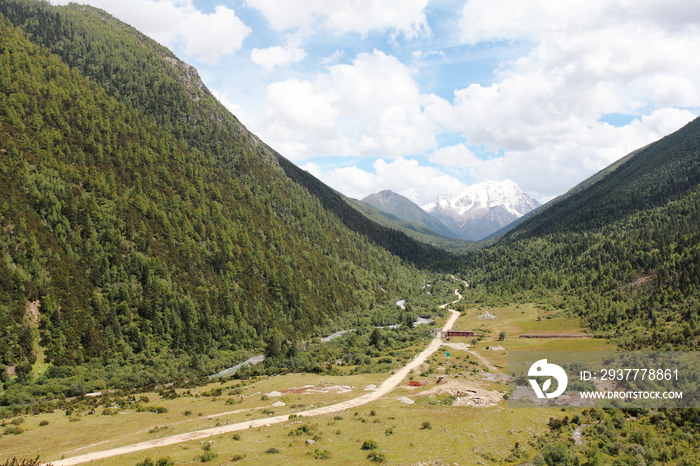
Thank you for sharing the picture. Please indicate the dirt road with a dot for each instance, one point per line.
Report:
(388, 385)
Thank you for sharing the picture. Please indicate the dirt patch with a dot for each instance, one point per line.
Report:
(467, 393)
(321, 388)
(458, 346)
(31, 312)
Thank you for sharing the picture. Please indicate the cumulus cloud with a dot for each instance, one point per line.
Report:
(340, 17)
(407, 177)
(271, 57)
(371, 107)
(554, 167)
(207, 36)
(459, 156)
(544, 111)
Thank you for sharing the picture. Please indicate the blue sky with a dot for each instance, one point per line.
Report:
(427, 97)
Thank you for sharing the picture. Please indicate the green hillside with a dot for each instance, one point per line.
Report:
(153, 228)
(622, 253)
(647, 178)
(139, 72)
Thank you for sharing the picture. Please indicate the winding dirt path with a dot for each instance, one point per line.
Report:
(386, 386)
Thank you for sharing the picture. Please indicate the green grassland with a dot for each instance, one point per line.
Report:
(457, 434)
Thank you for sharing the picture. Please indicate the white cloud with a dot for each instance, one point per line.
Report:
(207, 36)
(371, 107)
(271, 57)
(459, 156)
(340, 17)
(299, 104)
(588, 58)
(407, 177)
(332, 58)
(420, 54)
(553, 167)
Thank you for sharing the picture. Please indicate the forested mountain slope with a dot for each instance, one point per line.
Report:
(147, 221)
(139, 72)
(622, 253)
(647, 178)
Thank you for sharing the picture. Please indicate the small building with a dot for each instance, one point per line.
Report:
(460, 333)
(453, 333)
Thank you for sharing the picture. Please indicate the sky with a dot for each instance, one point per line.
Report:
(427, 97)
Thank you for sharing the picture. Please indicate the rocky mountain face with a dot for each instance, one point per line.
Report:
(481, 209)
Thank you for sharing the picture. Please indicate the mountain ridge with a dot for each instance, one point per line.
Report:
(402, 207)
(481, 209)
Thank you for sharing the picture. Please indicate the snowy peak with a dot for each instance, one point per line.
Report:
(482, 208)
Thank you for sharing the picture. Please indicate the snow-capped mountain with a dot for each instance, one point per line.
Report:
(481, 209)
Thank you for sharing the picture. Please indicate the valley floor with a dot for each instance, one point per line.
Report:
(463, 420)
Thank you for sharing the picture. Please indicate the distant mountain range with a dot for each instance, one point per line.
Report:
(473, 214)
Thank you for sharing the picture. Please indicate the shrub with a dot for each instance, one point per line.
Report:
(159, 462)
(187, 412)
(426, 425)
(151, 409)
(369, 445)
(238, 457)
(44, 423)
(25, 462)
(377, 457)
(321, 454)
(158, 429)
(272, 451)
(301, 430)
(208, 456)
(236, 437)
